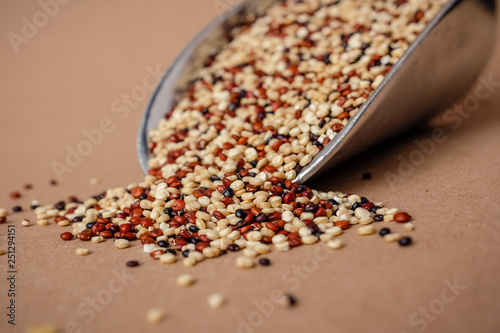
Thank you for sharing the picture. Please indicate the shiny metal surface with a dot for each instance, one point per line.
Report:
(437, 69)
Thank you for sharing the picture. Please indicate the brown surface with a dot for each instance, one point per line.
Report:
(65, 79)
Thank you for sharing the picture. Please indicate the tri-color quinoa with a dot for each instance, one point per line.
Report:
(225, 157)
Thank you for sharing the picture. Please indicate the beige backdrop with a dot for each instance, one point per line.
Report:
(68, 76)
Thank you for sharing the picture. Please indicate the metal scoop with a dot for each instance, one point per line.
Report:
(438, 68)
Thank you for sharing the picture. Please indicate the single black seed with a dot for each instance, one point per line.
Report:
(333, 202)
(193, 228)
(374, 209)
(252, 174)
(301, 188)
(114, 228)
(311, 207)
(163, 243)
(132, 263)
(366, 175)
(181, 212)
(185, 253)
(405, 241)
(233, 247)
(317, 233)
(232, 106)
(171, 251)
(77, 219)
(53, 182)
(17, 208)
(264, 262)
(241, 223)
(214, 178)
(242, 93)
(33, 207)
(254, 163)
(60, 205)
(356, 205)
(378, 217)
(194, 240)
(364, 200)
(228, 192)
(168, 211)
(90, 225)
(241, 213)
(384, 231)
(143, 197)
(261, 218)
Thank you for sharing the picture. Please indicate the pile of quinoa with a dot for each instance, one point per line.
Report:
(223, 160)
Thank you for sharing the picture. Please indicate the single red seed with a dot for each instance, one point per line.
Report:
(66, 235)
(402, 217)
(178, 205)
(343, 224)
(15, 195)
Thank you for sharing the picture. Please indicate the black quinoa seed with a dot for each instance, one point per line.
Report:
(214, 178)
(60, 205)
(384, 231)
(264, 262)
(132, 263)
(233, 247)
(405, 241)
(228, 192)
(378, 217)
(241, 213)
(163, 243)
(17, 208)
(193, 228)
(90, 225)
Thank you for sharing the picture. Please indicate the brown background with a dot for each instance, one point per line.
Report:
(65, 79)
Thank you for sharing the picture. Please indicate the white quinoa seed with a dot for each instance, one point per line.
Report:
(82, 252)
(155, 316)
(185, 280)
(121, 243)
(216, 301)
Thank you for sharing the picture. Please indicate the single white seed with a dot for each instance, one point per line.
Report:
(185, 280)
(408, 227)
(167, 258)
(366, 230)
(216, 301)
(82, 252)
(122, 243)
(25, 222)
(244, 262)
(335, 244)
(155, 316)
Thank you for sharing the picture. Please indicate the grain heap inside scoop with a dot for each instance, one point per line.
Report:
(224, 158)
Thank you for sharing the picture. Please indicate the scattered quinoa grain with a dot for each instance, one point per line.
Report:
(121, 243)
(366, 230)
(82, 252)
(392, 237)
(216, 301)
(408, 226)
(405, 241)
(185, 280)
(335, 244)
(26, 222)
(155, 316)
(244, 262)
(132, 263)
(15, 195)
